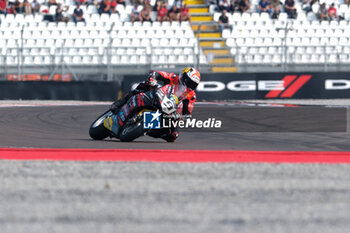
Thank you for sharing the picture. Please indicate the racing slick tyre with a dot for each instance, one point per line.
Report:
(132, 131)
(97, 130)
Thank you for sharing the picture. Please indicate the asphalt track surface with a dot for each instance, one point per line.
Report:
(67, 127)
(67, 196)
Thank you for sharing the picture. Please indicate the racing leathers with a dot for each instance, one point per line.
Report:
(159, 79)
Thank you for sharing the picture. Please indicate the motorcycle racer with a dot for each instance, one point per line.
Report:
(184, 95)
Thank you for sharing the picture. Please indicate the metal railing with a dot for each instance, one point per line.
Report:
(20, 58)
(15, 56)
(75, 60)
(291, 56)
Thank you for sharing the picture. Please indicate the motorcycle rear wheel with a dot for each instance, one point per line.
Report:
(132, 131)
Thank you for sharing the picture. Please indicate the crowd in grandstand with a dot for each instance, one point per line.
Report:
(178, 11)
(140, 12)
(274, 7)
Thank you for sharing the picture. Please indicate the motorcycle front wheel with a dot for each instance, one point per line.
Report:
(97, 130)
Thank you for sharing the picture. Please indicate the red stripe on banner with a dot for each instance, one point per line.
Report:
(296, 86)
(286, 81)
(193, 156)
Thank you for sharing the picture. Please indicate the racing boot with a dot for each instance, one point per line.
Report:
(115, 122)
(116, 105)
(142, 87)
(170, 137)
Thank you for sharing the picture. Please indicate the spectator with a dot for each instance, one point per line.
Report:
(332, 13)
(135, 14)
(105, 7)
(157, 5)
(78, 15)
(3, 6)
(178, 3)
(322, 13)
(122, 2)
(224, 22)
(27, 7)
(35, 7)
(17, 7)
(162, 13)
(146, 14)
(307, 5)
(59, 14)
(275, 8)
(243, 5)
(224, 5)
(173, 14)
(234, 6)
(147, 3)
(81, 2)
(289, 8)
(185, 14)
(113, 4)
(51, 2)
(264, 6)
(136, 2)
(95, 2)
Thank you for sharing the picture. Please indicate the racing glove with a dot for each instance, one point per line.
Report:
(175, 116)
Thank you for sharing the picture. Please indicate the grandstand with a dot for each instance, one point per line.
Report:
(302, 44)
(149, 45)
(30, 44)
(260, 43)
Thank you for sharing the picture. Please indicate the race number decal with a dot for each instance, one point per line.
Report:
(168, 105)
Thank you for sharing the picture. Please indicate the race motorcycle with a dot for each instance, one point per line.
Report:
(165, 101)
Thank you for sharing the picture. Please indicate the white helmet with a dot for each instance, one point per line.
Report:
(190, 77)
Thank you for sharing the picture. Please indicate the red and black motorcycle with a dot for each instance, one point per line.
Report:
(165, 102)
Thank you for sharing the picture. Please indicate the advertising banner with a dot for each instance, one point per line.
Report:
(45, 90)
(228, 86)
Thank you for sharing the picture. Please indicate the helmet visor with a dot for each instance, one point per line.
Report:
(192, 85)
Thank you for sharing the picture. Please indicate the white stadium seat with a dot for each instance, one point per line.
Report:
(252, 33)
